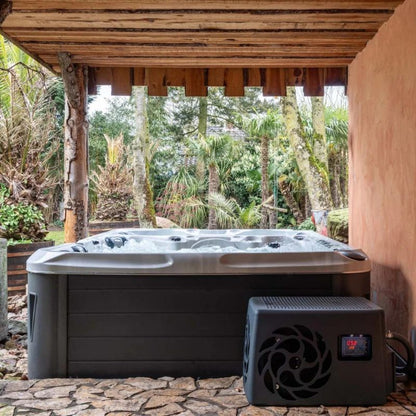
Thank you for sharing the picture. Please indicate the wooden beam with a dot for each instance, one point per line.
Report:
(201, 38)
(5, 10)
(253, 77)
(156, 82)
(203, 5)
(103, 76)
(175, 77)
(195, 82)
(92, 81)
(216, 77)
(234, 82)
(275, 82)
(75, 79)
(186, 20)
(139, 77)
(314, 82)
(295, 77)
(214, 62)
(122, 80)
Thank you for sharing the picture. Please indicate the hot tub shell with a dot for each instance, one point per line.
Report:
(178, 309)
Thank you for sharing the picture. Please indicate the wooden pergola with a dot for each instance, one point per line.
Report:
(190, 43)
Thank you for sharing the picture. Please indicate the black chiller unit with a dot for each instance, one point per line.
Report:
(306, 351)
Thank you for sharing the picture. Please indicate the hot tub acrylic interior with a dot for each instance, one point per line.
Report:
(171, 302)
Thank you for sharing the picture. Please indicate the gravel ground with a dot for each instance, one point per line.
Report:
(144, 396)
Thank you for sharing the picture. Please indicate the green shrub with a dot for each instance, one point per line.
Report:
(307, 225)
(20, 221)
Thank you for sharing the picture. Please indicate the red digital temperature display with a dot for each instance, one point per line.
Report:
(354, 347)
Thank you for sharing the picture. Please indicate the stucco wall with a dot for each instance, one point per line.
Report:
(382, 97)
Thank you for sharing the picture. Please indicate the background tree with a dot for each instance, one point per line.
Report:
(265, 127)
(27, 143)
(142, 191)
(312, 170)
(113, 182)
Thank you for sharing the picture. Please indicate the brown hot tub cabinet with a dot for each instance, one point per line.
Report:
(171, 302)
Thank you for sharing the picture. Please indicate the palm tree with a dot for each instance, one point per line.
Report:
(212, 150)
(113, 182)
(264, 127)
(336, 127)
(27, 142)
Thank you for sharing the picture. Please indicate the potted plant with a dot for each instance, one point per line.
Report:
(27, 145)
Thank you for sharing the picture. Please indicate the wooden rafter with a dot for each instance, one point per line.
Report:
(195, 35)
(196, 80)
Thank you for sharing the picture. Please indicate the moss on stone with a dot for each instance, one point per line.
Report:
(338, 225)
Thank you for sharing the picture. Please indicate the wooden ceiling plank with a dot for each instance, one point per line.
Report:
(201, 38)
(195, 82)
(189, 62)
(151, 51)
(234, 82)
(314, 85)
(274, 82)
(121, 81)
(202, 5)
(199, 21)
(156, 82)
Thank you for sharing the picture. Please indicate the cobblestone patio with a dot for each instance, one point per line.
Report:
(164, 396)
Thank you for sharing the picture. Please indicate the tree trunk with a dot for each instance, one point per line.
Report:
(265, 192)
(291, 201)
(142, 192)
(313, 173)
(202, 131)
(213, 186)
(318, 123)
(75, 79)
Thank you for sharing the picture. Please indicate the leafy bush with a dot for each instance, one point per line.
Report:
(307, 225)
(20, 221)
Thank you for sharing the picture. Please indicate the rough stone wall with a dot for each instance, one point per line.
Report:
(382, 96)
(3, 289)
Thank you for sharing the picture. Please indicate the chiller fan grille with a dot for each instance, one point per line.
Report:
(294, 362)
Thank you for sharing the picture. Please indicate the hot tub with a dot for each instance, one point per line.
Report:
(171, 302)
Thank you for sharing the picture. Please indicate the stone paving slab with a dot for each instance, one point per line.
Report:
(163, 397)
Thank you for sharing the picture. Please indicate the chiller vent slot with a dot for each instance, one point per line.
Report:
(33, 300)
(294, 362)
(246, 350)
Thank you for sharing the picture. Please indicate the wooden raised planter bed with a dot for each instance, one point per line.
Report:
(17, 256)
(96, 227)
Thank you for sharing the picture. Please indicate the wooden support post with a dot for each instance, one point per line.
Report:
(75, 77)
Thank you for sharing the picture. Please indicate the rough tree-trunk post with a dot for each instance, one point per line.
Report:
(75, 77)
